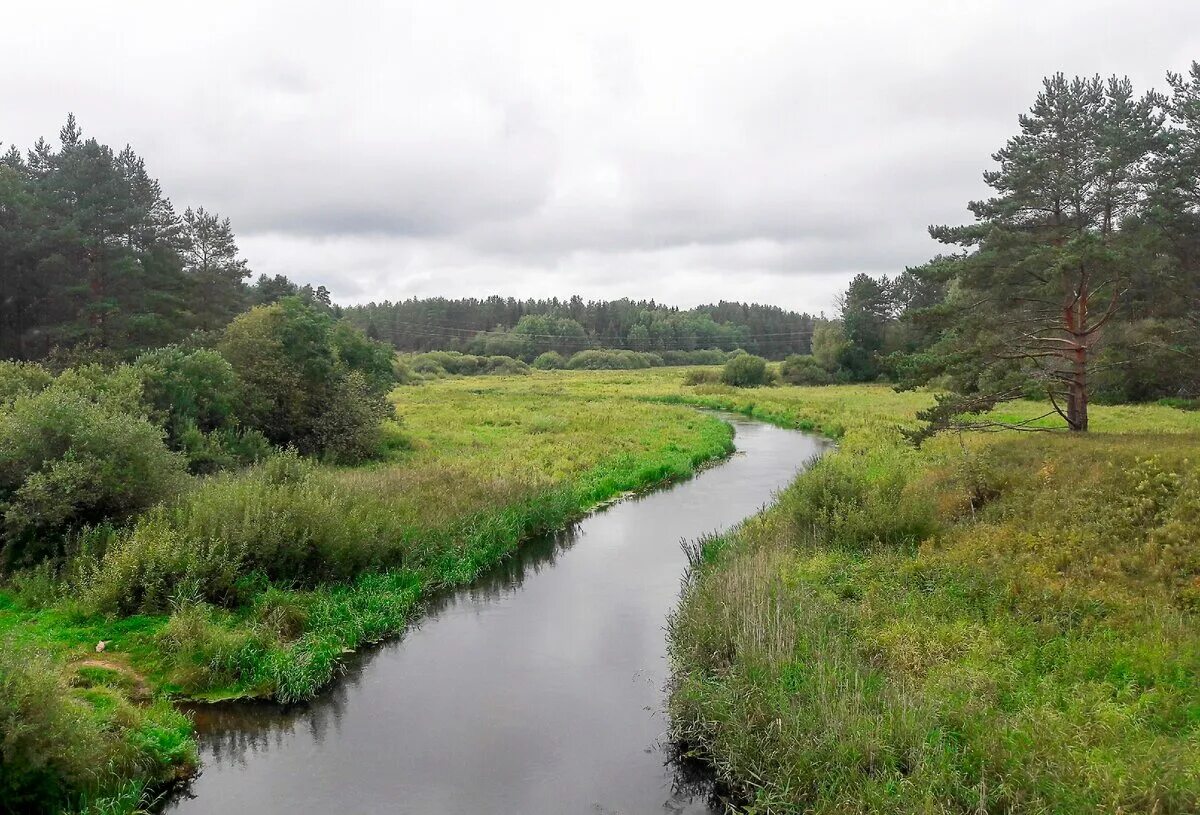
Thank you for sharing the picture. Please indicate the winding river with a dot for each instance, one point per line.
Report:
(537, 690)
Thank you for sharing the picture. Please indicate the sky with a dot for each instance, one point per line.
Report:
(685, 152)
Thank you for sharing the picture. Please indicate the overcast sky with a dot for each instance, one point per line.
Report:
(687, 152)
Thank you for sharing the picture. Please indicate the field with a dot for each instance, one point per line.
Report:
(994, 622)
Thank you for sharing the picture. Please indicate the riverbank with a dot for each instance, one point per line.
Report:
(186, 608)
(905, 631)
(994, 623)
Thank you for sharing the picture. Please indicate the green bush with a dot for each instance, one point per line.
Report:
(506, 366)
(188, 388)
(304, 380)
(21, 379)
(801, 369)
(702, 376)
(550, 361)
(438, 364)
(602, 359)
(745, 371)
(707, 356)
(66, 461)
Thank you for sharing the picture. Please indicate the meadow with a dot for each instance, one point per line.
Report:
(1001, 622)
(994, 622)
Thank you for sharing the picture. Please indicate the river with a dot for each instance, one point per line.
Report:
(537, 690)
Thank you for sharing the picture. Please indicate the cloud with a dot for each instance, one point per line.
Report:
(683, 151)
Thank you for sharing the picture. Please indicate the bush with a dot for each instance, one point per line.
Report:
(745, 371)
(191, 394)
(438, 364)
(304, 381)
(21, 379)
(803, 370)
(550, 361)
(506, 366)
(278, 521)
(702, 376)
(188, 387)
(66, 461)
(602, 359)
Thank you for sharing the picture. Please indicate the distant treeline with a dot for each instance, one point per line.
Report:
(525, 329)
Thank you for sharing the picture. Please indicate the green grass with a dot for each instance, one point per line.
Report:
(994, 623)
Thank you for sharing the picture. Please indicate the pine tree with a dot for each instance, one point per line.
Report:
(217, 274)
(1049, 263)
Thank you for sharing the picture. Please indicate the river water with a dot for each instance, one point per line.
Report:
(537, 690)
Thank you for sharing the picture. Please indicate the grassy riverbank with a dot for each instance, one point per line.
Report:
(257, 583)
(994, 623)
(1000, 621)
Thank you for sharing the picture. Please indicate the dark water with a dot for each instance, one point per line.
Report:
(537, 690)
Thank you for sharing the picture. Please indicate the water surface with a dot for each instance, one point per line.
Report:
(537, 690)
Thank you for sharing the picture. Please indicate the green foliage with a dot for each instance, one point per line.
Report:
(188, 389)
(21, 379)
(599, 359)
(745, 371)
(702, 376)
(64, 745)
(550, 361)
(553, 324)
(992, 623)
(71, 289)
(803, 370)
(437, 364)
(304, 381)
(829, 345)
(66, 460)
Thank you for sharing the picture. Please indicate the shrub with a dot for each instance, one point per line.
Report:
(66, 461)
(599, 359)
(21, 379)
(505, 366)
(550, 361)
(188, 390)
(438, 364)
(350, 428)
(745, 371)
(297, 370)
(803, 370)
(278, 521)
(709, 356)
(702, 376)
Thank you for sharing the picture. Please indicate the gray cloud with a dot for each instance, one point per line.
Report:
(682, 151)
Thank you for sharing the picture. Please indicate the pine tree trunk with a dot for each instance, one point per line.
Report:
(1077, 400)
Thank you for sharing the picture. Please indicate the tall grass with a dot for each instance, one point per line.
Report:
(992, 624)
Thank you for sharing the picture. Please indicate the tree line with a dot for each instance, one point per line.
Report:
(527, 328)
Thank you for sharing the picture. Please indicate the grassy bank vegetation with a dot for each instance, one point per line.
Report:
(992, 623)
(256, 582)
